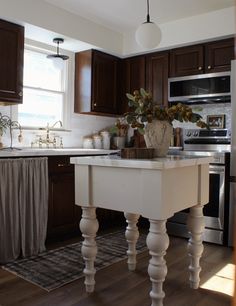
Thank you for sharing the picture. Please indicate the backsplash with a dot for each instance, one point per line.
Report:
(209, 109)
(79, 126)
(83, 125)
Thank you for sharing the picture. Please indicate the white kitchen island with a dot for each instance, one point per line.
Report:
(155, 189)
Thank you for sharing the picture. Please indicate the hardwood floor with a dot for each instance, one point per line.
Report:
(117, 286)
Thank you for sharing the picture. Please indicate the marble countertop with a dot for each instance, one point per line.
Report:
(171, 161)
(26, 152)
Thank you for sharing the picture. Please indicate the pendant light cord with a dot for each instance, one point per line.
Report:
(148, 16)
(57, 47)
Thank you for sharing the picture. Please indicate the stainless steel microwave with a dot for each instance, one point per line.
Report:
(203, 88)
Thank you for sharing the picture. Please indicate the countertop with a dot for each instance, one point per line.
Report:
(26, 152)
(171, 161)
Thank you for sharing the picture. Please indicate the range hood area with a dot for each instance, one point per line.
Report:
(203, 88)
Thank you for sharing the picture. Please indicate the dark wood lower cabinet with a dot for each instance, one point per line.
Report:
(63, 215)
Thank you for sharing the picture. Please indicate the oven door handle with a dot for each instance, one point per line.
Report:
(216, 169)
(220, 170)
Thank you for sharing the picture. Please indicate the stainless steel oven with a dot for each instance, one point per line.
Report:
(216, 212)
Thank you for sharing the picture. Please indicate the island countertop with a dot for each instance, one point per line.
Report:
(170, 161)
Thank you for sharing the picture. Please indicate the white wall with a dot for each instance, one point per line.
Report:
(190, 30)
(49, 17)
(42, 15)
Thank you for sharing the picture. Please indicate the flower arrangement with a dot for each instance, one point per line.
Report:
(143, 110)
(5, 123)
(120, 128)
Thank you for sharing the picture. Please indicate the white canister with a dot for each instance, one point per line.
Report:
(106, 140)
(97, 140)
(88, 143)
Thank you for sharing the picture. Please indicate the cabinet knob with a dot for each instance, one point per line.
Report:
(200, 68)
(62, 165)
(95, 104)
(208, 67)
(20, 94)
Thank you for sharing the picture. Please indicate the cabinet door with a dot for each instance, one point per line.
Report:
(63, 214)
(218, 55)
(133, 77)
(83, 81)
(186, 61)
(104, 83)
(157, 77)
(11, 62)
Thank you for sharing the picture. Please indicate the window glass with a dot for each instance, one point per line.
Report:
(40, 107)
(40, 72)
(43, 93)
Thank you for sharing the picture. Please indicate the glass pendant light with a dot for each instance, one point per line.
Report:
(148, 34)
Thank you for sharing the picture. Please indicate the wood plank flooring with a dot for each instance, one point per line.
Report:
(117, 286)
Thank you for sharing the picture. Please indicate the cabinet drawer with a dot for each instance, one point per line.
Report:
(58, 164)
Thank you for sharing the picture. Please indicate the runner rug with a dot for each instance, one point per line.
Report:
(55, 268)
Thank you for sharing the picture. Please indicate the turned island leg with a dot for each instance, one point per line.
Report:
(131, 235)
(195, 247)
(89, 227)
(157, 243)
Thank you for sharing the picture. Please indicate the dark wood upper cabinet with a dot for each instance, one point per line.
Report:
(218, 55)
(11, 62)
(206, 58)
(96, 81)
(133, 77)
(157, 76)
(186, 61)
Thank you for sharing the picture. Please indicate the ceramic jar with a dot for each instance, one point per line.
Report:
(106, 140)
(88, 143)
(97, 141)
(119, 142)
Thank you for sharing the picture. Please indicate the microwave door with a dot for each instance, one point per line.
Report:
(215, 87)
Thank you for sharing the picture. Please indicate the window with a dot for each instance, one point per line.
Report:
(44, 91)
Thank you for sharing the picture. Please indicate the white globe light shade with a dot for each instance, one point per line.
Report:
(148, 35)
(57, 62)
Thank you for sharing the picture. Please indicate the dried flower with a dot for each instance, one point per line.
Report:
(120, 128)
(143, 110)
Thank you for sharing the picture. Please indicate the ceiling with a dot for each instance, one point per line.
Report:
(126, 15)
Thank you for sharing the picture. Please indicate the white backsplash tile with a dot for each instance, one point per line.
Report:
(209, 109)
(79, 126)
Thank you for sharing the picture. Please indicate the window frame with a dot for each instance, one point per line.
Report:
(67, 83)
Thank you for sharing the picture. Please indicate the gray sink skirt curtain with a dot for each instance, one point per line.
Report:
(23, 207)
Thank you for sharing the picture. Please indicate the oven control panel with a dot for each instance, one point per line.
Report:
(203, 133)
(213, 140)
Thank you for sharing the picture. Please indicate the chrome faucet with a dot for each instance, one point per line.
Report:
(47, 140)
(58, 121)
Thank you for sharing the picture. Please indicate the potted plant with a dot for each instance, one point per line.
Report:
(4, 124)
(155, 121)
(119, 131)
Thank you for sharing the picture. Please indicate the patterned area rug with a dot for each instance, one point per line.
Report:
(55, 268)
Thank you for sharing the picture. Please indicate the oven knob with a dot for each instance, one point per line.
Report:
(188, 134)
(195, 134)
